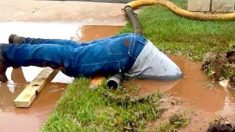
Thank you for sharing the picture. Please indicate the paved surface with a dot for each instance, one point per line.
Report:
(109, 1)
(62, 11)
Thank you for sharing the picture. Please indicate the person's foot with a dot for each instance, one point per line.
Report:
(15, 39)
(3, 68)
(3, 77)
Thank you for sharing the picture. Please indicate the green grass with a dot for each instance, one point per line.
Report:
(178, 35)
(176, 121)
(83, 109)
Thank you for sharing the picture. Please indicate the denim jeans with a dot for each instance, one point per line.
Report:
(101, 57)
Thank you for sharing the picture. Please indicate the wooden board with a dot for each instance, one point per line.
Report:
(27, 96)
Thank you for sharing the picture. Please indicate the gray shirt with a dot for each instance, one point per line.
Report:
(154, 64)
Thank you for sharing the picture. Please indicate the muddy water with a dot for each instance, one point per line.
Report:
(26, 119)
(194, 88)
(92, 32)
(31, 119)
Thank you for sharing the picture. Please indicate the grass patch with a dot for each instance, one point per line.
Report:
(178, 35)
(175, 122)
(83, 109)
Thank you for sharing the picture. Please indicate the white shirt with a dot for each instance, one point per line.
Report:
(153, 64)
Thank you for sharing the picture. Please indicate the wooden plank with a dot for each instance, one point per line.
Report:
(27, 96)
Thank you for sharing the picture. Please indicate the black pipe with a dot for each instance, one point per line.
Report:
(133, 19)
(115, 80)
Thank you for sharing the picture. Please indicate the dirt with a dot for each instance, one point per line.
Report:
(220, 66)
(207, 101)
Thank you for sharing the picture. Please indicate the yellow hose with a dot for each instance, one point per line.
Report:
(179, 11)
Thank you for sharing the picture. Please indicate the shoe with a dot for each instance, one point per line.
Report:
(3, 68)
(15, 39)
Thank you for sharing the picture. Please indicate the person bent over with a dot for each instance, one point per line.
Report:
(128, 54)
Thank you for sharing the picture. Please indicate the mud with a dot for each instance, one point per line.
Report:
(194, 88)
(207, 101)
(31, 119)
(220, 66)
(92, 32)
(26, 119)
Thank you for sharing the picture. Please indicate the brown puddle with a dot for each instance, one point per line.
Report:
(31, 119)
(194, 88)
(26, 119)
(92, 32)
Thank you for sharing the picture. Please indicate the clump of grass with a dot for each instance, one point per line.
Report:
(175, 122)
(178, 35)
(83, 109)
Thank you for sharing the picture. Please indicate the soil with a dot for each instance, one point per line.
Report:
(220, 66)
(207, 101)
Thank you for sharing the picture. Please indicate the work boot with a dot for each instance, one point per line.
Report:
(15, 39)
(3, 68)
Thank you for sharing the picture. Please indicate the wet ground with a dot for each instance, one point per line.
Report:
(208, 100)
(194, 88)
(19, 78)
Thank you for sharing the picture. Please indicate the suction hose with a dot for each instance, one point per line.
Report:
(133, 19)
(179, 11)
(116, 80)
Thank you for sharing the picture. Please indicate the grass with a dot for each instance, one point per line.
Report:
(178, 35)
(175, 122)
(83, 109)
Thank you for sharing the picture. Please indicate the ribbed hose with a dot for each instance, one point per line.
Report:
(179, 11)
(116, 80)
(133, 19)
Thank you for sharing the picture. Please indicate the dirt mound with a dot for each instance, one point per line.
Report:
(221, 125)
(220, 66)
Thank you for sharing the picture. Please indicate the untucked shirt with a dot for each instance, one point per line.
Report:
(154, 64)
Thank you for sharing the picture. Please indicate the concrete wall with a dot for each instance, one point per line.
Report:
(211, 5)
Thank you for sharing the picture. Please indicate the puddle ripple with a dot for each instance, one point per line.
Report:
(194, 88)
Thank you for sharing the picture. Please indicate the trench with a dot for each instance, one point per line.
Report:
(194, 88)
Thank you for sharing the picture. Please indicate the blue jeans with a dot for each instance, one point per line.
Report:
(101, 57)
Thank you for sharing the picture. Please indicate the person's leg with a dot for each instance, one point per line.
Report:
(52, 55)
(105, 57)
(102, 57)
(15, 39)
